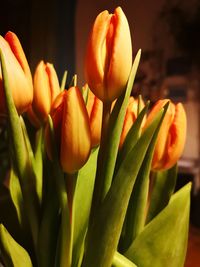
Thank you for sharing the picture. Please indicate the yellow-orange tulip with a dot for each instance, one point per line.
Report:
(46, 88)
(19, 74)
(130, 117)
(95, 110)
(171, 137)
(72, 129)
(109, 55)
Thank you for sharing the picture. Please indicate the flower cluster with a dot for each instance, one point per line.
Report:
(80, 189)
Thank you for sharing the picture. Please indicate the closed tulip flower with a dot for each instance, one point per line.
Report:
(46, 88)
(19, 74)
(171, 137)
(109, 55)
(72, 129)
(95, 110)
(130, 117)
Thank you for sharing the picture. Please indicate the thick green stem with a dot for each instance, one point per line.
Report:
(100, 189)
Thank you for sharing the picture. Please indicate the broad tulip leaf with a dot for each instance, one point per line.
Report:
(12, 253)
(103, 236)
(120, 261)
(135, 217)
(163, 187)
(163, 242)
(82, 203)
(19, 155)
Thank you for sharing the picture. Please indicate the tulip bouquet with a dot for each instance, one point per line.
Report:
(92, 181)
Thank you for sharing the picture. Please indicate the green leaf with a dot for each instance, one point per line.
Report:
(132, 137)
(63, 250)
(50, 224)
(82, 203)
(34, 161)
(120, 261)
(12, 253)
(163, 242)
(38, 163)
(63, 83)
(16, 196)
(115, 128)
(103, 236)
(109, 147)
(19, 156)
(136, 213)
(164, 183)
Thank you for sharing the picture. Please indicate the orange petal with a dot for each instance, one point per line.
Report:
(75, 135)
(17, 50)
(177, 137)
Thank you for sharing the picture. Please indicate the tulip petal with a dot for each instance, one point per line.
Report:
(75, 132)
(17, 50)
(177, 137)
(120, 61)
(42, 94)
(22, 91)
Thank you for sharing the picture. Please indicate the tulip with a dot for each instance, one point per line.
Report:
(172, 135)
(95, 110)
(72, 130)
(109, 55)
(19, 74)
(130, 117)
(46, 88)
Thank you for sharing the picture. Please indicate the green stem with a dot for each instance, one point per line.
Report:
(100, 188)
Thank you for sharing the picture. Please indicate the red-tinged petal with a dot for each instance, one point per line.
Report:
(22, 91)
(161, 143)
(75, 135)
(17, 50)
(177, 137)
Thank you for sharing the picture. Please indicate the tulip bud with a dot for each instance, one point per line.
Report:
(172, 135)
(19, 74)
(109, 55)
(130, 117)
(95, 110)
(72, 129)
(46, 88)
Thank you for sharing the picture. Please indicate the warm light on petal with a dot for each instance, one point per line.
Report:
(46, 88)
(171, 137)
(20, 79)
(75, 133)
(107, 65)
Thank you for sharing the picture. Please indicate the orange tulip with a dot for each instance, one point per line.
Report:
(46, 88)
(19, 74)
(95, 110)
(109, 55)
(72, 129)
(171, 137)
(130, 117)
